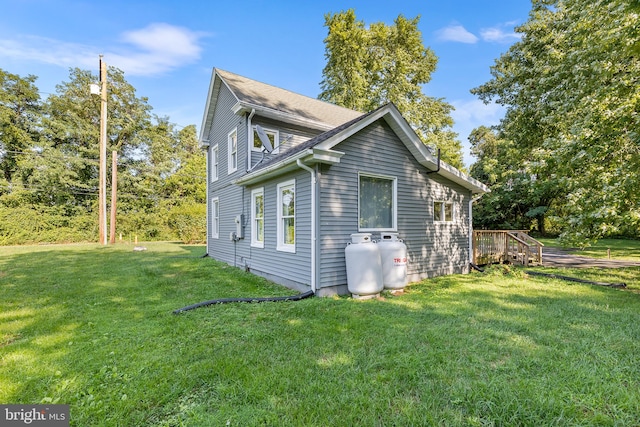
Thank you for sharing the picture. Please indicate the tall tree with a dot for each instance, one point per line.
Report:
(67, 169)
(367, 68)
(20, 117)
(187, 184)
(49, 163)
(572, 91)
(518, 195)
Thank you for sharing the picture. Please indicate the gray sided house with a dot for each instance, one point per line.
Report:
(288, 215)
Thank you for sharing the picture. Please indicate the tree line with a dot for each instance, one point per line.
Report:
(563, 160)
(566, 156)
(49, 148)
(49, 161)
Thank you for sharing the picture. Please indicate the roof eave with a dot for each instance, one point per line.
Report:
(310, 156)
(452, 174)
(413, 143)
(241, 108)
(210, 105)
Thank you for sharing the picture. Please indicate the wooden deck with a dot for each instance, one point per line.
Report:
(498, 246)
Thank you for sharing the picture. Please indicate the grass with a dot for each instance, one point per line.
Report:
(620, 249)
(92, 327)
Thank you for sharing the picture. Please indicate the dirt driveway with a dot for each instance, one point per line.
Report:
(555, 257)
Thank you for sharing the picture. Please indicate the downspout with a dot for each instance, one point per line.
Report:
(208, 201)
(473, 199)
(249, 138)
(313, 222)
(438, 167)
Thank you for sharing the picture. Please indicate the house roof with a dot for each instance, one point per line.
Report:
(320, 149)
(273, 102)
(337, 123)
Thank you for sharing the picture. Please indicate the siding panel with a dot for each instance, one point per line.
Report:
(433, 248)
(223, 122)
(291, 269)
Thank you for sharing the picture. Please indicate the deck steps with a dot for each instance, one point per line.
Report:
(498, 246)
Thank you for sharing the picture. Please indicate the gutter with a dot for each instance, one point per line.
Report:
(313, 222)
(249, 138)
(206, 147)
(289, 163)
(241, 107)
(438, 168)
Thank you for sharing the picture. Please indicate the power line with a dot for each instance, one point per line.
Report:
(56, 154)
(34, 188)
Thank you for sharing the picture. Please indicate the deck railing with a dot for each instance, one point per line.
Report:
(497, 246)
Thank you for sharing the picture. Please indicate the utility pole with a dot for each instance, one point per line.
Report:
(114, 196)
(102, 199)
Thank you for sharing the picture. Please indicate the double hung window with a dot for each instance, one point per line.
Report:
(215, 218)
(286, 228)
(232, 150)
(377, 202)
(442, 211)
(215, 162)
(257, 210)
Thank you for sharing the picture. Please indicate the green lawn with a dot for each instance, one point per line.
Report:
(92, 327)
(621, 249)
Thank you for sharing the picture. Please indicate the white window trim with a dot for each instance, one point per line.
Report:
(232, 167)
(281, 245)
(394, 226)
(442, 212)
(254, 229)
(215, 218)
(215, 163)
(276, 140)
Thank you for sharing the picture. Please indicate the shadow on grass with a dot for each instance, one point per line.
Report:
(70, 312)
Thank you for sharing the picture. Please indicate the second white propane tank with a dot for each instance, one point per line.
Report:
(393, 253)
(364, 266)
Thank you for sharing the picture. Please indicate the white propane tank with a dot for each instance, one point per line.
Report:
(393, 253)
(364, 266)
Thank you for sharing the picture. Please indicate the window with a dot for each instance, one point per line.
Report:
(215, 218)
(286, 216)
(376, 202)
(442, 212)
(257, 226)
(214, 163)
(273, 136)
(233, 150)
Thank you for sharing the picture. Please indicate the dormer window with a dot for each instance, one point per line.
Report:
(273, 135)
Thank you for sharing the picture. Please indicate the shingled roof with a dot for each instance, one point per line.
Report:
(335, 123)
(273, 102)
(320, 149)
(315, 140)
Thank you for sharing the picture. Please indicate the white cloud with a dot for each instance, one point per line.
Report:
(152, 50)
(456, 33)
(497, 34)
(477, 112)
(48, 51)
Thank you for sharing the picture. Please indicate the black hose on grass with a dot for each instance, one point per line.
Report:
(575, 279)
(230, 300)
(475, 267)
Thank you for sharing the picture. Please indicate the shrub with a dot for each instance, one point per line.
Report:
(189, 222)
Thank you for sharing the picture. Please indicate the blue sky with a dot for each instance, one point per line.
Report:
(167, 49)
